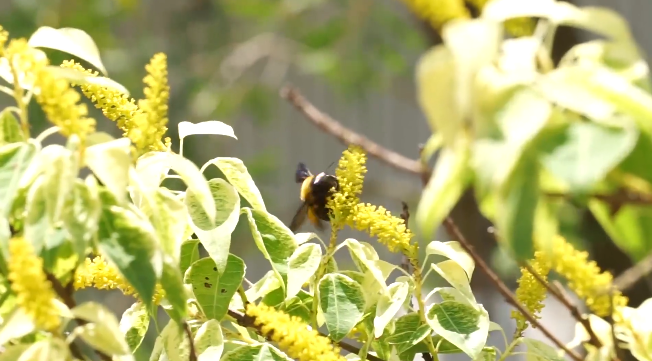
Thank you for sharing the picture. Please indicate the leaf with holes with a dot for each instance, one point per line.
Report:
(341, 300)
(302, 265)
(134, 324)
(213, 290)
(238, 175)
(215, 233)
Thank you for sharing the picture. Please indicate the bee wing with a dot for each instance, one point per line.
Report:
(299, 217)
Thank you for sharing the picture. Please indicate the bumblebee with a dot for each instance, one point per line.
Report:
(315, 190)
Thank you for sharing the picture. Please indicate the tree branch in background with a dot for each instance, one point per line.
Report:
(634, 274)
(246, 321)
(457, 235)
(346, 135)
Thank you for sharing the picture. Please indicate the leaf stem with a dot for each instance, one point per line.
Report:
(18, 96)
(510, 348)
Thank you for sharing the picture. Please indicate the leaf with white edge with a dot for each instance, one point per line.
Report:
(102, 330)
(175, 291)
(38, 227)
(209, 341)
(584, 152)
(209, 127)
(77, 77)
(213, 290)
(169, 218)
(69, 40)
(341, 300)
(215, 232)
(134, 324)
(176, 346)
(366, 259)
(152, 167)
(408, 331)
(189, 254)
(487, 354)
(110, 162)
(454, 274)
(10, 131)
(460, 322)
(268, 283)
(195, 181)
(238, 175)
(15, 159)
(129, 242)
(16, 325)
(302, 238)
(539, 351)
(454, 251)
(388, 305)
(46, 350)
(273, 238)
(81, 220)
(450, 178)
(13, 352)
(259, 352)
(302, 265)
(58, 178)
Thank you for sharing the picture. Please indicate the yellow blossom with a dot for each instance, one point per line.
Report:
(155, 106)
(516, 27)
(28, 281)
(438, 12)
(4, 36)
(293, 335)
(584, 277)
(377, 221)
(350, 176)
(530, 292)
(100, 274)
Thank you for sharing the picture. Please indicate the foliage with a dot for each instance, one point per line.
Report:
(515, 128)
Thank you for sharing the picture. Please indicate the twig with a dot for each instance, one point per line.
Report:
(617, 199)
(246, 321)
(193, 352)
(633, 274)
(567, 303)
(405, 260)
(66, 296)
(452, 229)
(346, 135)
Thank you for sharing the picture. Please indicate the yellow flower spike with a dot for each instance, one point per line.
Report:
(4, 36)
(28, 281)
(292, 335)
(379, 222)
(438, 12)
(350, 176)
(101, 275)
(584, 277)
(155, 105)
(530, 292)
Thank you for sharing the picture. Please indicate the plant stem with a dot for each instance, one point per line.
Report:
(320, 273)
(18, 96)
(510, 348)
(413, 254)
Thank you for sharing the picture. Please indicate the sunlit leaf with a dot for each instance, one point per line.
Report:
(388, 305)
(209, 127)
(539, 351)
(13, 352)
(77, 77)
(209, 341)
(302, 265)
(14, 161)
(453, 250)
(409, 331)
(170, 221)
(238, 175)
(175, 343)
(110, 162)
(17, 324)
(69, 40)
(454, 274)
(189, 254)
(630, 228)
(193, 178)
(175, 292)
(102, 330)
(81, 220)
(268, 283)
(255, 353)
(341, 300)
(134, 324)
(46, 350)
(10, 131)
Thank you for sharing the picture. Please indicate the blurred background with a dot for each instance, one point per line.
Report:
(353, 59)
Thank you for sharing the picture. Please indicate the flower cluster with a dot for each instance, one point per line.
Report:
(377, 221)
(584, 277)
(438, 12)
(100, 274)
(30, 285)
(350, 176)
(293, 335)
(530, 292)
(516, 26)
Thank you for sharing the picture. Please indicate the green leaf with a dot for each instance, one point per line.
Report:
(80, 78)
(110, 162)
(170, 221)
(302, 265)
(189, 254)
(262, 352)
(389, 304)
(516, 206)
(460, 322)
(454, 251)
(449, 180)
(273, 238)
(10, 131)
(209, 342)
(58, 178)
(15, 158)
(454, 274)
(46, 350)
(585, 152)
(102, 330)
(39, 229)
(175, 343)
(630, 228)
(16, 325)
(215, 232)
(69, 40)
(193, 178)
(209, 127)
(268, 283)
(342, 302)
(129, 242)
(366, 259)
(81, 220)
(213, 290)
(13, 352)
(524, 104)
(152, 167)
(175, 292)
(238, 175)
(134, 324)
(637, 162)
(408, 332)
(539, 351)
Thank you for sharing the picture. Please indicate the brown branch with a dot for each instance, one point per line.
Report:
(193, 352)
(405, 260)
(617, 199)
(348, 136)
(246, 321)
(567, 303)
(65, 293)
(633, 274)
(452, 230)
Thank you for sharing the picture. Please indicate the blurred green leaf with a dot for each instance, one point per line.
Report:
(209, 341)
(539, 351)
(175, 292)
(630, 228)
(408, 332)
(10, 131)
(16, 325)
(342, 301)
(48, 349)
(134, 324)
(388, 305)
(102, 330)
(189, 254)
(209, 127)
(69, 40)
(110, 163)
(255, 353)
(15, 158)
(81, 220)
